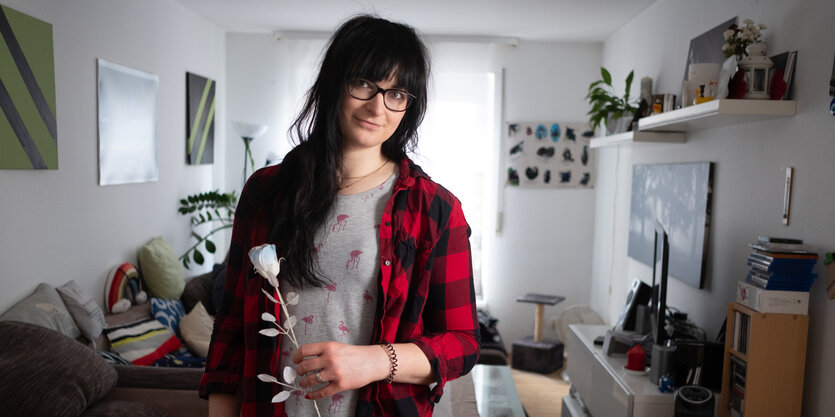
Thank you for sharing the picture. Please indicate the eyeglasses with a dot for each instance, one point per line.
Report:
(394, 99)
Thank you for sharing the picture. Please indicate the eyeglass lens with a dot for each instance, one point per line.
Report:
(393, 98)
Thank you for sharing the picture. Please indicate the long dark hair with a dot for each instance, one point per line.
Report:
(308, 180)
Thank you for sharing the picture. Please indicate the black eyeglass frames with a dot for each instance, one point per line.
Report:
(394, 99)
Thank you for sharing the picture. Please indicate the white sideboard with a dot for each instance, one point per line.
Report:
(600, 385)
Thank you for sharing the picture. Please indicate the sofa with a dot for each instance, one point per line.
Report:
(49, 368)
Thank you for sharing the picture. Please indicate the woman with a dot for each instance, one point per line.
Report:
(378, 253)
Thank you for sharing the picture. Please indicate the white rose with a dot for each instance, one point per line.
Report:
(725, 47)
(762, 26)
(748, 22)
(728, 34)
(266, 262)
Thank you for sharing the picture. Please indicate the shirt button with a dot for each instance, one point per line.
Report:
(387, 262)
(388, 223)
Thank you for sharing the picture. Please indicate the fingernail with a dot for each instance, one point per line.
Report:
(306, 397)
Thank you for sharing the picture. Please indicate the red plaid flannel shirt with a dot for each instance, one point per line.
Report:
(427, 292)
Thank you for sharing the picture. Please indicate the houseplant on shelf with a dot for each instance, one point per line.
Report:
(608, 109)
(206, 208)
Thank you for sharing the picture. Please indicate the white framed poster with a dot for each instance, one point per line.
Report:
(127, 125)
(548, 155)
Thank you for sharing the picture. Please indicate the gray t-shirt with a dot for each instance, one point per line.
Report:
(343, 310)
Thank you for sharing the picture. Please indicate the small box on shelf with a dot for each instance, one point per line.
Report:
(769, 301)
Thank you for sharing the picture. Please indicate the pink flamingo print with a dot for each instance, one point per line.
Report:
(341, 220)
(307, 320)
(298, 394)
(367, 297)
(331, 288)
(367, 197)
(336, 403)
(343, 329)
(288, 353)
(354, 262)
(319, 247)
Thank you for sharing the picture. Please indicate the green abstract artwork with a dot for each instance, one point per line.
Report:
(28, 131)
(200, 129)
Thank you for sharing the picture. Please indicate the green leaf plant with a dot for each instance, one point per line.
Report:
(604, 103)
(206, 208)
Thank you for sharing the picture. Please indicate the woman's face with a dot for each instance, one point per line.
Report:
(367, 124)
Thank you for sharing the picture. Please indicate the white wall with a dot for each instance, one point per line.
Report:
(546, 240)
(750, 162)
(61, 225)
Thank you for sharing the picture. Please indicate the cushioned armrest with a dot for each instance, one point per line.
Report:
(131, 376)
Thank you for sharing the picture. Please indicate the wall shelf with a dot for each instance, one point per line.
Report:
(672, 126)
(638, 137)
(718, 113)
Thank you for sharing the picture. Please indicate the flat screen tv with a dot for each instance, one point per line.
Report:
(678, 196)
(658, 308)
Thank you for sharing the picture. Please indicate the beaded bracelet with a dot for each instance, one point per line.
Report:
(389, 349)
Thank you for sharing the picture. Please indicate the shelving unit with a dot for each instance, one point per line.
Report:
(672, 126)
(765, 358)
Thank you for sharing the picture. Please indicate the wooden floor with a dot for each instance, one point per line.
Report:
(541, 395)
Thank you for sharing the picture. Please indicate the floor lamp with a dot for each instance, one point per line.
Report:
(248, 132)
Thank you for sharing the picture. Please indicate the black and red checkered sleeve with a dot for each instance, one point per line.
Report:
(451, 334)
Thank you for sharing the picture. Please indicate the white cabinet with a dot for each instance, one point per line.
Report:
(602, 385)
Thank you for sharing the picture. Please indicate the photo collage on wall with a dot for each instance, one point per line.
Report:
(548, 155)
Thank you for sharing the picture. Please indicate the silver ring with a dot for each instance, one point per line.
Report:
(319, 377)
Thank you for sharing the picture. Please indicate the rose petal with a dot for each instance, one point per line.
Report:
(281, 396)
(290, 374)
(267, 378)
(268, 317)
(270, 332)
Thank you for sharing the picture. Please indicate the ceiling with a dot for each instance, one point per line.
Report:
(539, 20)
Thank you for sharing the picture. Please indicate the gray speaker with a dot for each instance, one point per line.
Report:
(663, 359)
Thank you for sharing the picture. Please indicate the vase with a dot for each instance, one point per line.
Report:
(757, 67)
(619, 125)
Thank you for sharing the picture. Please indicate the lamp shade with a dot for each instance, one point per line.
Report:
(249, 130)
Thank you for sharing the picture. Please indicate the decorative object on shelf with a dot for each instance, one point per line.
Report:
(704, 49)
(612, 111)
(127, 120)
(29, 138)
(757, 67)
(646, 94)
(248, 132)
(728, 68)
(209, 208)
(200, 129)
(699, 74)
(737, 39)
(548, 155)
(782, 75)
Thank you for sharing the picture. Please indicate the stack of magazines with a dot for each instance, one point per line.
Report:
(781, 264)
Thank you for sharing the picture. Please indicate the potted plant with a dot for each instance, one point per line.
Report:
(608, 109)
(210, 207)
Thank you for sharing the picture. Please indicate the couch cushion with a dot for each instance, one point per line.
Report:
(169, 313)
(87, 314)
(198, 289)
(45, 373)
(161, 269)
(118, 408)
(144, 342)
(46, 309)
(196, 328)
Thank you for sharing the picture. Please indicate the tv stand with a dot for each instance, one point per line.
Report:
(600, 385)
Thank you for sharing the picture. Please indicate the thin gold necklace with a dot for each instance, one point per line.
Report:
(358, 179)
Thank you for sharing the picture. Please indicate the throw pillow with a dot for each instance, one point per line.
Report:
(169, 313)
(87, 314)
(142, 343)
(46, 373)
(196, 328)
(161, 269)
(46, 309)
(123, 288)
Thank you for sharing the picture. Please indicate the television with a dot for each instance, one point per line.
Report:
(658, 308)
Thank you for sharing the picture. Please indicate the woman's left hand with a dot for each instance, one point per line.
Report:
(343, 367)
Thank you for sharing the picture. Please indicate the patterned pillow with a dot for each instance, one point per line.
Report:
(169, 313)
(144, 342)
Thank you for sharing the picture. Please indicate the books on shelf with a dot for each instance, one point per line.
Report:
(781, 264)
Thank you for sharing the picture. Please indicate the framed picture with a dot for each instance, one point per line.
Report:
(200, 129)
(548, 155)
(28, 132)
(127, 125)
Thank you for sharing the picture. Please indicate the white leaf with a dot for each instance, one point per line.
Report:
(268, 378)
(281, 397)
(268, 317)
(270, 332)
(290, 374)
(292, 298)
(290, 322)
(269, 296)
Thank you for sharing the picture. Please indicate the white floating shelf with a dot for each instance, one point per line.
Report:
(638, 137)
(717, 113)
